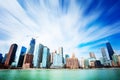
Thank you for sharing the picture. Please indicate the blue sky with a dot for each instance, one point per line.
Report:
(80, 26)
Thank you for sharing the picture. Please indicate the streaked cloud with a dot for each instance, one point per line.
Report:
(77, 25)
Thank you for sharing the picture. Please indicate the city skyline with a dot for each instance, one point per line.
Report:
(79, 26)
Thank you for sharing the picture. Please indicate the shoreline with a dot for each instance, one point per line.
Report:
(61, 69)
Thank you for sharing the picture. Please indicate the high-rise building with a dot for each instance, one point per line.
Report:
(82, 62)
(32, 46)
(66, 56)
(60, 51)
(104, 57)
(28, 59)
(110, 50)
(38, 56)
(4, 58)
(92, 55)
(72, 63)
(57, 61)
(21, 57)
(11, 55)
(46, 58)
(1, 57)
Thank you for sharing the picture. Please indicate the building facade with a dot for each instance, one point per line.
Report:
(72, 63)
(110, 50)
(38, 56)
(21, 57)
(11, 55)
(46, 58)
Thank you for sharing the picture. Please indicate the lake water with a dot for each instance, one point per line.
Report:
(61, 74)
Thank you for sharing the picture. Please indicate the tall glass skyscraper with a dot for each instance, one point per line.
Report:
(46, 58)
(105, 59)
(32, 46)
(61, 53)
(28, 59)
(11, 55)
(21, 57)
(110, 50)
(38, 56)
(1, 57)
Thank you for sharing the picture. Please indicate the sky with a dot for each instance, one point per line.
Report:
(79, 26)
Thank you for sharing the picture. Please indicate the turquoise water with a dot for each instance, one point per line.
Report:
(61, 74)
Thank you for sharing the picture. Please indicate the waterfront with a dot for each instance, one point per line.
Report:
(60, 74)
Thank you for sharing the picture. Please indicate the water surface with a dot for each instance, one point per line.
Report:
(61, 74)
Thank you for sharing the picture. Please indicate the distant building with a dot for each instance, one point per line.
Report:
(82, 62)
(118, 60)
(46, 58)
(38, 56)
(72, 63)
(92, 55)
(1, 57)
(28, 59)
(66, 56)
(115, 60)
(98, 64)
(92, 62)
(11, 55)
(86, 63)
(104, 57)
(110, 50)
(57, 61)
(21, 57)
(32, 46)
(4, 58)
(60, 51)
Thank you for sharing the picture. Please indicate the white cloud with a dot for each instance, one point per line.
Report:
(53, 28)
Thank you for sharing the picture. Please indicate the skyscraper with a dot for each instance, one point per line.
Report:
(1, 57)
(105, 59)
(21, 57)
(110, 50)
(32, 46)
(38, 56)
(60, 51)
(11, 55)
(28, 59)
(46, 58)
(92, 55)
(72, 63)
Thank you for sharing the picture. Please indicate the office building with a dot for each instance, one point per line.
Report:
(38, 56)
(4, 58)
(92, 55)
(1, 57)
(110, 50)
(21, 57)
(28, 59)
(11, 55)
(72, 63)
(104, 57)
(82, 62)
(57, 61)
(60, 51)
(32, 46)
(115, 60)
(46, 58)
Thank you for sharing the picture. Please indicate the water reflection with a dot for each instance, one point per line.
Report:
(60, 74)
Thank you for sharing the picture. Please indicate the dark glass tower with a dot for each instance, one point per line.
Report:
(21, 57)
(11, 55)
(110, 50)
(32, 46)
